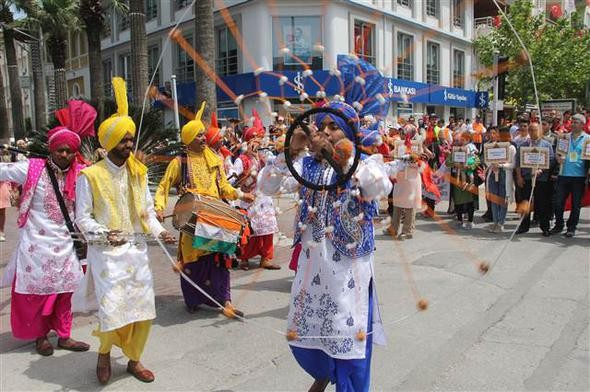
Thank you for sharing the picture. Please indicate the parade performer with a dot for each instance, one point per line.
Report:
(45, 270)
(261, 212)
(333, 292)
(203, 175)
(113, 199)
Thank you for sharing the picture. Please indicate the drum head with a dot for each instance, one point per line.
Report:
(183, 210)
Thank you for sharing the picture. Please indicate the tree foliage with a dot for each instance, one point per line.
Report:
(559, 51)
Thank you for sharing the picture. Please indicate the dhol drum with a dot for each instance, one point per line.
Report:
(214, 225)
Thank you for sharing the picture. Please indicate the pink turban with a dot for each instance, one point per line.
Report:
(61, 135)
(77, 121)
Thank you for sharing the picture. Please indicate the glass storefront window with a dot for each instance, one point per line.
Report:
(300, 35)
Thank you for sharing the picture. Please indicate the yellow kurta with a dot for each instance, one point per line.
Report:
(207, 178)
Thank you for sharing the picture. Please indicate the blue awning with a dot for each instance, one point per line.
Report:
(249, 84)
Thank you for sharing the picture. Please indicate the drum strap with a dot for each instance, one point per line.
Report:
(185, 180)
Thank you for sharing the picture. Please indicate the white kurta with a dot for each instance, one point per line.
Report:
(330, 293)
(122, 276)
(261, 212)
(45, 261)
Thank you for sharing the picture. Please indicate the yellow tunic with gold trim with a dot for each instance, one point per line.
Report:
(109, 197)
(207, 178)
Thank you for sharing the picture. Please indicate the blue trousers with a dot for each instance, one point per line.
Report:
(349, 375)
(498, 191)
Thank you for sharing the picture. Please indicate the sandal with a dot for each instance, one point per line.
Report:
(269, 265)
(143, 375)
(43, 346)
(72, 345)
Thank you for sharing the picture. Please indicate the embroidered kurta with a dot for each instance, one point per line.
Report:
(206, 177)
(122, 275)
(330, 292)
(261, 212)
(45, 261)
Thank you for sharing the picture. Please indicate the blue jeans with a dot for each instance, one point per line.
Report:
(497, 190)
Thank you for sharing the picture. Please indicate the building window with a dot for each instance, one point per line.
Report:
(297, 45)
(432, 63)
(458, 69)
(185, 65)
(83, 44)
(125, 69)
(123, 21)
(226, 62)
(405, 3)
(405, 58)
(432, 8)
(107, 76)
(182, 3)
(73, 45)
(457, 12)
(151, 9)
(364, 41)
(153, 56)
(108, 20)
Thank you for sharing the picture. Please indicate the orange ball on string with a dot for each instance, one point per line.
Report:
(229, 313)
(292, 335)
(422, 304)
(484, 267)
(361, 335)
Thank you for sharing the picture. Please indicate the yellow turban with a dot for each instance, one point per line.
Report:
(194, 127)
(112, 130)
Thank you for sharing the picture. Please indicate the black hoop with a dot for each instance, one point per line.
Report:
(342, 178)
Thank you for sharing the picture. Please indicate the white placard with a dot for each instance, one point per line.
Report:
(459, 157)
(534, 157)
(563, 145)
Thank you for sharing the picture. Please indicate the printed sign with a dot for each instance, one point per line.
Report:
(563, 144)
(459, 156)
(496, 153)
(586, 149)
(534, 157)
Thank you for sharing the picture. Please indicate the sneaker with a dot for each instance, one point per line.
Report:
(556, 229)
(491, 228)
(499, 229)
(468, 225)
(2, 237)
(570, 233)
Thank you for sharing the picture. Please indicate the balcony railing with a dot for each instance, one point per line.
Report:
(483, 26)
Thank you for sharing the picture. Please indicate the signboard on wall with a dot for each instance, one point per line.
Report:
(558, 105)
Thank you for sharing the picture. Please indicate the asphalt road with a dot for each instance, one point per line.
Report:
(523, 326)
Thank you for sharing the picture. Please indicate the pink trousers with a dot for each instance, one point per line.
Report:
(32, 316)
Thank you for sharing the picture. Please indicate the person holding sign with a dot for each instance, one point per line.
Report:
(500, 184)
(464, 162)
(543, 188)
(571, 178)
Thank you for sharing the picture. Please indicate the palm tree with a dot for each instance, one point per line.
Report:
(57, 18)
(205, 46)
(139, 63)
(4, 134)
(31, 8)
(16, 103)
(93, 16)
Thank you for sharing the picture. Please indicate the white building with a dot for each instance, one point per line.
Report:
(423, 45)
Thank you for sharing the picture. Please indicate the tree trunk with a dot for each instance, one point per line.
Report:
(38, 85)
(4, 133)
(39, 97)
(95, 65)
(16, 101)
(61, 87)
(139, 60)
(205, 46)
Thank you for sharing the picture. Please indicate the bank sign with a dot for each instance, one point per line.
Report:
(440, 95)
(407, 91)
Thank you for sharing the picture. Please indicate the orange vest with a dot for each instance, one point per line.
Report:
(477, 133)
